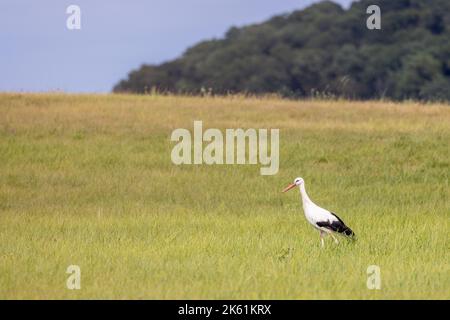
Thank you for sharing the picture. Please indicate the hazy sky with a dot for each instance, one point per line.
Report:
(39, 53)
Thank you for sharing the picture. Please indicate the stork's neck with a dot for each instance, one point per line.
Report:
(305, 198)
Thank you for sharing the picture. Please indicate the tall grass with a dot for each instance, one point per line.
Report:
(87, 180)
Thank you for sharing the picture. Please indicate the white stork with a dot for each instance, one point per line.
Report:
(323, 220)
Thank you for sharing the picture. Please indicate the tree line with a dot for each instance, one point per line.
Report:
(323, 50)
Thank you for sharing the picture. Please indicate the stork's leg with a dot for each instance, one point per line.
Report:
(322, 242)
(335, 239)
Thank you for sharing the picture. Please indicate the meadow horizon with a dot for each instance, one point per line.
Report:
(88, 180)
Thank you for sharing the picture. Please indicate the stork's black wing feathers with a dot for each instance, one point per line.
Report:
(336, 226)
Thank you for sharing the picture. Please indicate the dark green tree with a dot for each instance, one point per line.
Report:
(323, 49)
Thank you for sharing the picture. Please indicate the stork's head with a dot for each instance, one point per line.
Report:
(297, 182)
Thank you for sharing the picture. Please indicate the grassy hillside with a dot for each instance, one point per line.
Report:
(88, 180)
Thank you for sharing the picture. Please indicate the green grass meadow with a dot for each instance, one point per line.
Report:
(87, 180)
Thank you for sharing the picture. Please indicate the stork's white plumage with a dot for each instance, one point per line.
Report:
(323, 220)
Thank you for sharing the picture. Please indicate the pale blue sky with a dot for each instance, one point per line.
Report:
(38, 52)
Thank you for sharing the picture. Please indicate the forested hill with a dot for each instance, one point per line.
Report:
(321, 50)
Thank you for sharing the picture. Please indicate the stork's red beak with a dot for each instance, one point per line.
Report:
(289, 187)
